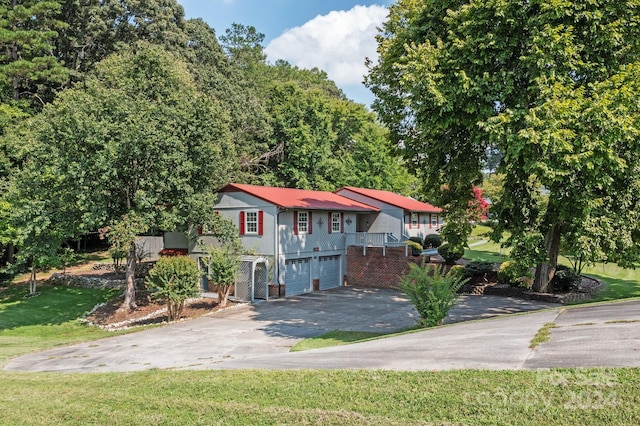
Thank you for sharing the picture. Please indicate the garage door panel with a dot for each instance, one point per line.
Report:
(329, 272)
(297, 276)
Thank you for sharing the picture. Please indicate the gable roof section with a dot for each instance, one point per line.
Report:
(290, 198)
(406, 203)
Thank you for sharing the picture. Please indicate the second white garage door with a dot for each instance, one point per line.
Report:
(329, 272)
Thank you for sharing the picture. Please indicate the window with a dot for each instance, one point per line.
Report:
(252, 222)
(336, 223)
(415, 220)
(302, 223)
(434, 220)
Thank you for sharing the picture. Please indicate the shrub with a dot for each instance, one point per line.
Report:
(457, 271)
(416, 240)
(450, 254)
(174, 279)
(566, 279)
(432, 241)
(432, 292)
(478, 268)
(416, 248)
(510, 272)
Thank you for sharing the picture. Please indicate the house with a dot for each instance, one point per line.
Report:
(401, 216)
(305, 233)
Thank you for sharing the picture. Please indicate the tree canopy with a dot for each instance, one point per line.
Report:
(551, 86)
(148, 113)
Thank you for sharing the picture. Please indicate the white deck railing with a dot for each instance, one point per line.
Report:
(375, 239)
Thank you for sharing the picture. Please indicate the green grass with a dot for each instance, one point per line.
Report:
(489, 251)
(334, 338)
(47, 320)
(556, 397)
(543, 335)
(620, 283)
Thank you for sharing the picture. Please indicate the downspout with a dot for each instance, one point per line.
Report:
(276, 266)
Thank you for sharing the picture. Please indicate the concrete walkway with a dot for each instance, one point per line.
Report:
(260, 335)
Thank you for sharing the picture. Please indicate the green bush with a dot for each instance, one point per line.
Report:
(432, 292)
(510, 273)
(457, 271)
(566, 279)
(478, 268)
(450, 254)
(174, 279)
(432, 241)
(416, 240)
(416, 248)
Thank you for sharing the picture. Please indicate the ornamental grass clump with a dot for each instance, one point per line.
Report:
(432, 292)
(174, 279)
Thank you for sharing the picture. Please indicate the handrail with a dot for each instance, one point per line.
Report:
(374, 239)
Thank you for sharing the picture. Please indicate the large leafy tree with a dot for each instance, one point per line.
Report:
(136, 148)
(98, 28)
(224, 78)
(551, 86)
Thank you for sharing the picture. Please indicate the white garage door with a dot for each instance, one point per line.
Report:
(297, 276)
(329, 272)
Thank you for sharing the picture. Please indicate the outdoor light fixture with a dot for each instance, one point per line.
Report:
(320, 222)
(349, 221)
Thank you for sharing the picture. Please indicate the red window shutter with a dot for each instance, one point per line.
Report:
(330, 221)
(295, 223)
(260, 222)
(242, 222)
(342, 223)
(200, 230)
(310, 224)
(430, 223)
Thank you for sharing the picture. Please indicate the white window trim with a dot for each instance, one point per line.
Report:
(336, 223)
(254, 222)
(304, 222)
(417, 222)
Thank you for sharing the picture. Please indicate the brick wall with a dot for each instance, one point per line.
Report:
(376, 270)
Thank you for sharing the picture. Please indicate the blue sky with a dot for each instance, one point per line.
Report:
(333, 35)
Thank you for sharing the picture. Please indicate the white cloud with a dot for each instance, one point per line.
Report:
(337, 43)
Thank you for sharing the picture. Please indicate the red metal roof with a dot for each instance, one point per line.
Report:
(300, 198)
(397, 200)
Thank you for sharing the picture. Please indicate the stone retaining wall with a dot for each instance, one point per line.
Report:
(90, 282)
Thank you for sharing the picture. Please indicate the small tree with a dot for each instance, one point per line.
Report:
(223, 267)
(432, 292)
(174, 279)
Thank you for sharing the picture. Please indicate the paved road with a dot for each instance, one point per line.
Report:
(259, 336)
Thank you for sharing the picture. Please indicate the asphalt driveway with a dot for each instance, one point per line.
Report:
(260, 335)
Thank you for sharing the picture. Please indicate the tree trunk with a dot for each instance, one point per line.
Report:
(11, 253)
(130, 292)
(223, 295)
(547, 270)
(33, 279)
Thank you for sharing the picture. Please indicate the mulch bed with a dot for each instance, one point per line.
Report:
(148, 311)
(587, 290)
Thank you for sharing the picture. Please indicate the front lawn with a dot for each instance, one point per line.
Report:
(620, 283)
(256, 397)
(50, 319)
